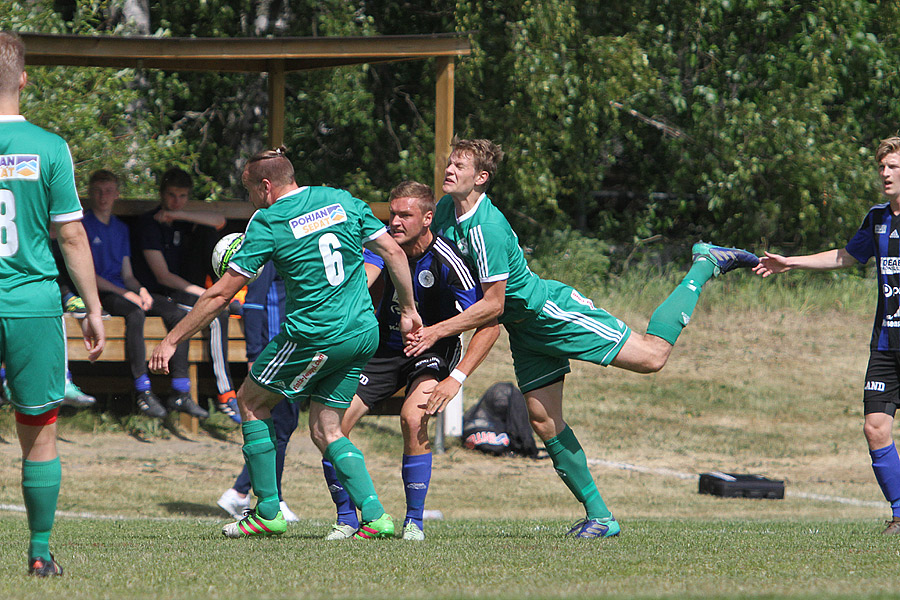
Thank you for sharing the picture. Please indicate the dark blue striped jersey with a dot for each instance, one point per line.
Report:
(443, 285)
(879, 236)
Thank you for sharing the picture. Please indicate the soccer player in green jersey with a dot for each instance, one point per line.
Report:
(37, 187)
(314, 236)
(549, 322)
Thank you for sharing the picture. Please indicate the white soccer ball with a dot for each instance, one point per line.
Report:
(225, 249)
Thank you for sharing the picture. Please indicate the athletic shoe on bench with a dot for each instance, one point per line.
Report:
(150, 404)
(724, 259)
(252, 525)
(595, 528)
(75, 307)
(75, 397)
(41, 567)
(229, 408)
(181, 401)
(382, 527)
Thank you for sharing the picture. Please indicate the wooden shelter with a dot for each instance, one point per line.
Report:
(274, 56)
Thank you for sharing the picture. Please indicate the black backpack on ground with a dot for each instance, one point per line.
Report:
(498, 423)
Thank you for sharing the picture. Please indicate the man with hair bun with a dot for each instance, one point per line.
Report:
(37, 188)
(314, 236)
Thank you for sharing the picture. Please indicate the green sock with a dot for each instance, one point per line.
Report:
(259, 454)
(675, 312)
(40, 487)
(350, 467)
(571, 466)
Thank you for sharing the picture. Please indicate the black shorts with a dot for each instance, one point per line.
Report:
(881, 393)
(384, 376)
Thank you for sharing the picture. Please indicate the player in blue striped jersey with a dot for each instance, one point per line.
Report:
(443, 286)
(549, 322)
(878, 236)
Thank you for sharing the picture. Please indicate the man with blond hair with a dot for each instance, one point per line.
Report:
(878, 236)
(37, 188)
(549, 322)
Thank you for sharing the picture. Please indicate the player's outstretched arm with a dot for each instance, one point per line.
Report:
(479, 346)
(207, 308)
(76, 251)
(397, 264)
(489, 308)
(771, 264)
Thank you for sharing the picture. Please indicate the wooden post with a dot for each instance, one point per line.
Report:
(276, 103)
(443, 119)
(190, 423)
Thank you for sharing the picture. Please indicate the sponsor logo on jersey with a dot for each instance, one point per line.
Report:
(317, 220)
(890, 265)
(880, 229)
(311, 369)
(582, 300)
(426, 279)
(890, 290)
(874, 386)
(886, 323)
(20, 166)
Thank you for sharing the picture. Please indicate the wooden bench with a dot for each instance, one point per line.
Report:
(111, 373)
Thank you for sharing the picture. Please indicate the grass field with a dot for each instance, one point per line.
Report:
(767, 379)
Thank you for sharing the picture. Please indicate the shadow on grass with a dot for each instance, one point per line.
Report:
(192, 509)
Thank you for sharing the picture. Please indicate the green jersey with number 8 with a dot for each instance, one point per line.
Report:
(314, 236)
(37, 185)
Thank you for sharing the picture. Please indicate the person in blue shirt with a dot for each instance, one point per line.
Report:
(878, 236)
(122, 295)
(443, 286)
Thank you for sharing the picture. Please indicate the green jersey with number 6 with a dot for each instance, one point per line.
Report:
(487, 241)
(314, 236)
(37, 185)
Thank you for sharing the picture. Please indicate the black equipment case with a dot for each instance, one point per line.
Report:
(733, 485)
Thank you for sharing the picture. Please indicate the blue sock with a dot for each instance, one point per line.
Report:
(886, 464)
(181, 384)
(142, 383)
(416, 477)
(346, 511)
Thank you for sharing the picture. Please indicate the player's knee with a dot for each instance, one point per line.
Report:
(878, 434)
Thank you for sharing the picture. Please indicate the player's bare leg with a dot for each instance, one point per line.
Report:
(878, 429)
(255, 404)
(417, 457)
(546, 414)
(350, 467)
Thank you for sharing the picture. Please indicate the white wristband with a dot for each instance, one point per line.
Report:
(458, 375)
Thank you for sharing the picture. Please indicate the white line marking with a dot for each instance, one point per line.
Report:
(87, 515)
(687, 476)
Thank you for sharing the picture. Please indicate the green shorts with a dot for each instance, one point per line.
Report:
(34, 351)
(327, 374)
(568, 326)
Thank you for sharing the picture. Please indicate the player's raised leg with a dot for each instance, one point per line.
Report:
(265, 519)
(546, 415)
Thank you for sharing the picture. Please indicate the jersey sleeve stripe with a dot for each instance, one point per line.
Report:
(455, 262)
(500, 277)
(243, 272)
(66, 217)
(378, 233)
(480, 253)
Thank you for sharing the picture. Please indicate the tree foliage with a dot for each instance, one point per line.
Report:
(749, 122)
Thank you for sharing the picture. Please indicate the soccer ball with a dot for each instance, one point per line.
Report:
(225, 249)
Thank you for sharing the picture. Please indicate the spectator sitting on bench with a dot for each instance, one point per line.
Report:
(165, 251)
(121, 294)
